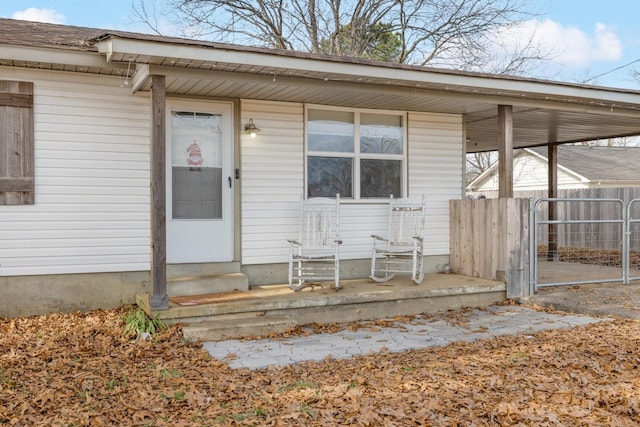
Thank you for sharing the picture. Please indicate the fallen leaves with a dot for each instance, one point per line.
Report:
(79, 369)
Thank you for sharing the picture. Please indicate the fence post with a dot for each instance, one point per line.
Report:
(626, 235)
(533, 243)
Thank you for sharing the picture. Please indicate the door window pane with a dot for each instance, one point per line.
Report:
(380, 178)
(327, 176)
(196, 165)
(197, 193)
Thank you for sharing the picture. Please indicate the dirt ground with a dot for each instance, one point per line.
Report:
(80, 369)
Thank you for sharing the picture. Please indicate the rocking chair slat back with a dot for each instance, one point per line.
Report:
(401, 250)
(315, 256)
(320, 223)
(406, 221)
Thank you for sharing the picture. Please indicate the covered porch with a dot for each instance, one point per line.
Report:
(494, 112)
(489, 263)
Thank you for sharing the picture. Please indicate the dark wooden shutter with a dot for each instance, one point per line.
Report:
(16, 143)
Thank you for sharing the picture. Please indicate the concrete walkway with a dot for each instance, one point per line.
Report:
(422, 332)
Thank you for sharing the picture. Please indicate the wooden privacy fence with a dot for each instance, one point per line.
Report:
(582, 235)
(489, 239)
(623, 193)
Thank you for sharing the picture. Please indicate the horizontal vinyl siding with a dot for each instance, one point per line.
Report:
(92, 181)
(436, 164)
(273, 183)
(530, 173)
(272, 179)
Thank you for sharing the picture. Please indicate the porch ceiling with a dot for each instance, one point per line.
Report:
(543, 111)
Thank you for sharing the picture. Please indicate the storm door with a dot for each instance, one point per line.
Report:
(199, 182)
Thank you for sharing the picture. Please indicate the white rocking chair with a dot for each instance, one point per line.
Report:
(401, 251)
(315, 255)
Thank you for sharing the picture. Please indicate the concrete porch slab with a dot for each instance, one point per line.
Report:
(356, 300)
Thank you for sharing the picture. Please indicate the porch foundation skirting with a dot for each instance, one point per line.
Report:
(43, 294)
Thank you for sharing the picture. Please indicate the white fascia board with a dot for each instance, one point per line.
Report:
(55, 56)
(608, 97)
(534, 154)
(390, 90)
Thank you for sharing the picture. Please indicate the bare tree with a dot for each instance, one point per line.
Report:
(466, 34)
(452, 33)
(477, 163)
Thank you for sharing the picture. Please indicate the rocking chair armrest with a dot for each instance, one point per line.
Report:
(376, 237)
(419, 239)
(338, 241)
(294, 242)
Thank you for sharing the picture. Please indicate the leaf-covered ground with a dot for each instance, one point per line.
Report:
(79, 369)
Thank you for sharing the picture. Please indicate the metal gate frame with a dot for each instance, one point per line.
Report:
(630, 222)
(535, 222)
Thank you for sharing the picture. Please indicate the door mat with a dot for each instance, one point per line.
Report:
(188, 300)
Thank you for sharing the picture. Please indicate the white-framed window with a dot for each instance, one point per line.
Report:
(360, 154)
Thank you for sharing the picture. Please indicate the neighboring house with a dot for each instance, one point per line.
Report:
(579, 166)
(123, 155)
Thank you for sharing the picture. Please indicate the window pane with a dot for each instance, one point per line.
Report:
(330, 131)
(381, 133)
(327, 176)
(380, 178)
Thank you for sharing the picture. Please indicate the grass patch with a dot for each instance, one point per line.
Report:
(138, 324)
(170, 373)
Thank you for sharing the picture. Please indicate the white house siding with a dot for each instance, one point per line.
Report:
(530, 173)
(91, 211)
(436, 162)
(272, 179)
(273, 183)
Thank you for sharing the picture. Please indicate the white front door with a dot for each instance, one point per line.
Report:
(200, 182)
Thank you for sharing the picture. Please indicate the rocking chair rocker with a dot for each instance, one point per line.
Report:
(401, 251)
(315, 256)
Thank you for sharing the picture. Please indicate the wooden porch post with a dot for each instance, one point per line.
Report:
(552, 156)
(159, 298)
(505, 151)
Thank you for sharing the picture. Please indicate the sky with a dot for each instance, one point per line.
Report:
(592, 42)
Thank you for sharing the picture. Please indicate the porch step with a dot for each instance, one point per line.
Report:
(198, 284)
(357, 300)
(216, 330)
(211, 268)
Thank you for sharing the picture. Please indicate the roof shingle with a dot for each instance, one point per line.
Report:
(599, 163)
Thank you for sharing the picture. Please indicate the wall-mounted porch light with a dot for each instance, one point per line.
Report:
(251, 129)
